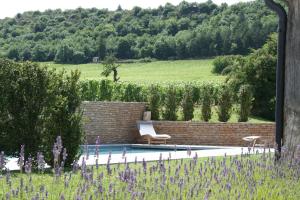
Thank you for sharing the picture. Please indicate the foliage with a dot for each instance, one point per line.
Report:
(154, 101)
(225, 103)
(207, 101)
(90, 90)
(170, 104)
(258, 70)
(110, 66)
(188, 30)
(189, 95)
(224, 64)
(36, 106)
(105, 90)
(245, 102)
(132, 93)
(188, 104)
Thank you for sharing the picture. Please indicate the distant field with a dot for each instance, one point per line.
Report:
(157, 71)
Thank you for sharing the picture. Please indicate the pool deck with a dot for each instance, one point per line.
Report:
(205, 151)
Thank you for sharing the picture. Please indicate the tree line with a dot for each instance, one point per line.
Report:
(188, 30)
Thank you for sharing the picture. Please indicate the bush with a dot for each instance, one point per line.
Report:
(154, 101)
(170, 104)
(207, 102)
(188, 104)
(223, 64)
(245, 102)
(36, 106)
(105, 90)
(225, 103)
(90, 90)
(133, 93)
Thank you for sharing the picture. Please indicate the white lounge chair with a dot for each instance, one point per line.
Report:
(147, 131)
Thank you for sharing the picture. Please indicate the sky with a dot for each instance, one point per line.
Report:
(9, 8)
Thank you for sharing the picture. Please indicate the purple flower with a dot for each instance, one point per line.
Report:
(86, 148)
(21, 158)
(62, 197)
(144, 166)
(189, 151)
(40, 161)
(97, 147)
(2, 160)
(124, 153)
(28, 165)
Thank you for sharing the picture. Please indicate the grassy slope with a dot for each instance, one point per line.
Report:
(158, 71)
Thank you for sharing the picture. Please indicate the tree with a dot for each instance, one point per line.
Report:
(101, 47)
(258, 70)
(39, 53)
(110, 66)
(64, 53)
(292, 80)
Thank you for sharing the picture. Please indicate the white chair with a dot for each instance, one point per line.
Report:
(147, 131)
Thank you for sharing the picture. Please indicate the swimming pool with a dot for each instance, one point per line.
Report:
(139, 148)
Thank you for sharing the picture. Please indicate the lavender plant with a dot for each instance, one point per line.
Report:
(228, 177)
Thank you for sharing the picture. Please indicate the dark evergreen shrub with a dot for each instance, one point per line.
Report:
(154, 101)
(105, 90)
(170, 104)
(225, 103)
(245, 102)
(207, 102)
(188, 104)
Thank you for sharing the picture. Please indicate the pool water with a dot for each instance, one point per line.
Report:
(119, 149)
(103, 150)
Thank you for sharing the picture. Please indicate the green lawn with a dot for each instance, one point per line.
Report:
(246, 177)
(157, 71)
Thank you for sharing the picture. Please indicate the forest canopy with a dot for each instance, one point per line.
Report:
(189, 30)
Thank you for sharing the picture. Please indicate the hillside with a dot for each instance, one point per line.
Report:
(189, 30)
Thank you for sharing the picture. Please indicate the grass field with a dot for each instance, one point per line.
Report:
(157, 71)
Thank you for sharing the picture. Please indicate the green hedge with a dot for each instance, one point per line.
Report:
(36, 106)
(164, 99)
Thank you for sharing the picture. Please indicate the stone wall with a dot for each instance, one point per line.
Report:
(115, 123)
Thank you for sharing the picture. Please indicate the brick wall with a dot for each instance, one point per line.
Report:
(225, 134)
(115, 123)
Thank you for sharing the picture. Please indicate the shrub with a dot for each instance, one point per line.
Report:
(170, 104)
(92, 94)
(129, 93)
(195, 93)
(223, 64)
(225, 103)
(207, 101)
(117, 92)
(188, 104)
(105, 90)
(245, 102)
(154, 101)
(36, 106)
